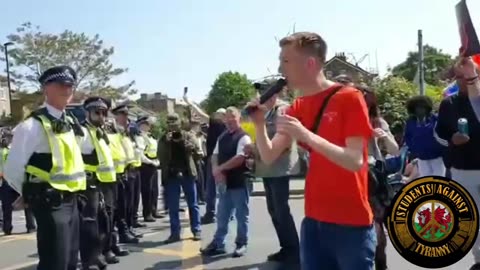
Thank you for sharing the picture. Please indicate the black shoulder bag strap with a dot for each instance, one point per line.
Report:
(316, 124)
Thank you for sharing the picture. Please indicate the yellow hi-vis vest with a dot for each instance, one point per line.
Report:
(105, 169)
(151, 147)
(4, 154)
(118, 154)
(68, 170)
(129, 148)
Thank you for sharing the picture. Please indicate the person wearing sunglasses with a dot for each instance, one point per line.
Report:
(101, 190)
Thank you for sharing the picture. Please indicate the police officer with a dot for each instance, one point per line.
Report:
(133, 163)
(148, 170)
(120, 161)
(100, 169)
(46, 168)
(178, 150)
(7, 194)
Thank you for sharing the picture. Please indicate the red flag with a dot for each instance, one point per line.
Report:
(468, 36)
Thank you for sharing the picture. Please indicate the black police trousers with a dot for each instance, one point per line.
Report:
(90, 210)
(58, 229)
(106, 219)
(8, 196)
(133, 200)
(124, 204)
(148, 175)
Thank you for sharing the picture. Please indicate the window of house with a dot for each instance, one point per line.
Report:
(343, 71)
(329, 74)
(3, 93)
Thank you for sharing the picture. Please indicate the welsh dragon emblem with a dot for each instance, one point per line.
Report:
(434, 227)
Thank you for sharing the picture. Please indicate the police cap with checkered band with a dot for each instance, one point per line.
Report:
(59, 74)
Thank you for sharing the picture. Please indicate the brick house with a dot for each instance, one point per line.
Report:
(338, 65)
(160, 103)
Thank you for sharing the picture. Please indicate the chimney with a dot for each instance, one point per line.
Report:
(341, 56)
(143, 96)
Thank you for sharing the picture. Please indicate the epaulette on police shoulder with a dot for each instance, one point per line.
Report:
(76, 126)
(35, 114)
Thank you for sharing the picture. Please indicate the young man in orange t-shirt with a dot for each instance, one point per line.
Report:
(337, 232)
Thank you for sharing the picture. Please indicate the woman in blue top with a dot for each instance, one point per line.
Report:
(419, 138)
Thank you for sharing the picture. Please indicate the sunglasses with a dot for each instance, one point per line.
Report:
(100, 112)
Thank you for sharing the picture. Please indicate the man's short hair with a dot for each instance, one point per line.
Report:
(308, 42)
(233, 110)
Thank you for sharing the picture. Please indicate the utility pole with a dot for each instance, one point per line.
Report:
(421, 76)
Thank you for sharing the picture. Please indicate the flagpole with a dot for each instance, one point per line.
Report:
(421, 77)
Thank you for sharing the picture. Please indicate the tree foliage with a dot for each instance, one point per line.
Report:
(392, 94)
(229, 89)
(35, 51)
(435, 63)
(160, 126)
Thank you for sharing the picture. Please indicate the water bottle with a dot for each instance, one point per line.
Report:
(463, 126)
(221, 188)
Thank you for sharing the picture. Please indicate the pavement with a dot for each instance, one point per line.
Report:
(18, 251)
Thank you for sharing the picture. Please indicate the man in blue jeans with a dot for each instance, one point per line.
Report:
(232, 175)
(276, 180)
(178, 150)
(216, 126)
(337, 232)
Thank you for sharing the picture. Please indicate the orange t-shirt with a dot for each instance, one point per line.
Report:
(332, 193)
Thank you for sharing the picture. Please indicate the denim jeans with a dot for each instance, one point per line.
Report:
(173, 190)
(211, 195)
(233, 200)
(277, 193)
(336, 247)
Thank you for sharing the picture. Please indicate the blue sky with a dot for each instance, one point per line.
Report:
(171, 44)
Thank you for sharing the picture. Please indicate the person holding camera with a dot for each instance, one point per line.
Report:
(177, 151)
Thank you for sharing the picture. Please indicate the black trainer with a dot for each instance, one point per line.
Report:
(213, 250)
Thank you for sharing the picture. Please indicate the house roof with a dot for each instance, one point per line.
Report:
(336, 58)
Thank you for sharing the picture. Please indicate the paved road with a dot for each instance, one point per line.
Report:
(18, 252)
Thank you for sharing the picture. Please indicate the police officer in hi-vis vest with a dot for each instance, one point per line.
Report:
(133, 162)
(120, 160)
(7, 194)
(46, 168)
(148, 170)
(99, 168)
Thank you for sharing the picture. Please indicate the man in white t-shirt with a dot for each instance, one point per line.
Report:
(232, 176)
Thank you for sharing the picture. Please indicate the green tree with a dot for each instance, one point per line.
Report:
(160, 126)
(392, 94)
(229, 89)
(435, 64)
(34, 51)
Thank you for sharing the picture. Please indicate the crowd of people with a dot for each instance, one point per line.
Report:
(81, 182)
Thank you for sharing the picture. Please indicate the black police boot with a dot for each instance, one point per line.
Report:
(120, 252)
(158, 215)
(125, 237)
(149, 218)
(134, 233)
(110, 258)
(139, 225)
(101, 262)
